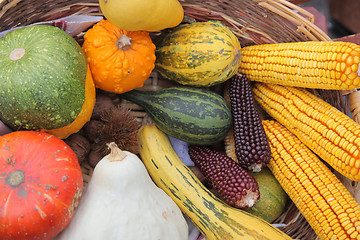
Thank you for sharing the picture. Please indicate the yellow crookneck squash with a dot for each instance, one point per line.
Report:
(150, 15)
(119, 60)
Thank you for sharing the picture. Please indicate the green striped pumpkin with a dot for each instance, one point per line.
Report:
(191, 114)
(42, 78)
(198, 54)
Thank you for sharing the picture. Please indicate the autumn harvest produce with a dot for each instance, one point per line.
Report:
(122, 202)
(194, 115)
(85, 113)
(119, 60)
(44, 81)
(198, 46)
(313, 64)
(41, 183)
(214, 218)
(273, 198)
(138, 15)
(329, 133)
(110, 123)
(251, 146)
(232, 183)
(198, 54)
(324, 201)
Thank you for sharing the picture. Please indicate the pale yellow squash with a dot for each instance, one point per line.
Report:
(139, 15)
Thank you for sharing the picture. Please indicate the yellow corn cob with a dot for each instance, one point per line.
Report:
(331, 134)
(324, 201)
(313, 64)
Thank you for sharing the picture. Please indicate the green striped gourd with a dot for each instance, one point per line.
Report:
(198, 54)
(191, 114)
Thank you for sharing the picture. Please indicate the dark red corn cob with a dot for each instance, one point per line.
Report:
(252, 148)
(234, 184)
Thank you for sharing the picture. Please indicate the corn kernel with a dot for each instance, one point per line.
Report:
(354, 234)
(352, 76)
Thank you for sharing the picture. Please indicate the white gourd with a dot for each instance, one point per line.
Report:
(122, 202)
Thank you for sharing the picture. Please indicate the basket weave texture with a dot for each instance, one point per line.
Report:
(252, 21)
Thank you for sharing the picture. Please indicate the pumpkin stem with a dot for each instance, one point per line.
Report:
(124, 42)
(17, 54)
(15, 178)
(116, 153)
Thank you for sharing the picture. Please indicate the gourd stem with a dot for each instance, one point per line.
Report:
(124, 42)
(116, 153)
(17, 54)
(15, 178)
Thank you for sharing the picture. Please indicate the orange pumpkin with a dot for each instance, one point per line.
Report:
(119, 60)
(41, 184)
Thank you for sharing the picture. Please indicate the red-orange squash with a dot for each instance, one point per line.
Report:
(119, 60)
(40, 185)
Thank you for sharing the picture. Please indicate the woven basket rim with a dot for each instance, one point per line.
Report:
(254, 28)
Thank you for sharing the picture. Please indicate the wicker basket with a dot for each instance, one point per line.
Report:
(253, 21)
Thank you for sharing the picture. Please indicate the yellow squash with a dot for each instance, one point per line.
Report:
(149, 15)
(214, 218)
